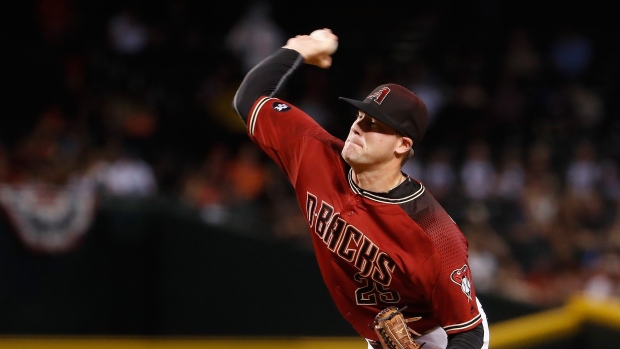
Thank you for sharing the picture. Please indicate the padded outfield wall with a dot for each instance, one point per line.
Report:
(153, 271)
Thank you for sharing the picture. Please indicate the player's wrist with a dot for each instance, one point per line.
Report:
(314, 51)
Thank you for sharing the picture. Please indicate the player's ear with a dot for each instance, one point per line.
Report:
(404, 144)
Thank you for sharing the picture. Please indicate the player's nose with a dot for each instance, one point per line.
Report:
(356, 128)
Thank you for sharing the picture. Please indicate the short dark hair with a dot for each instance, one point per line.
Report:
(407, 156)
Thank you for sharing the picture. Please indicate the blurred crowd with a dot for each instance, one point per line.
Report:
(134, 99)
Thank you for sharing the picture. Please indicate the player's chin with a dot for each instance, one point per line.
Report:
(350, 152)
(348, 148)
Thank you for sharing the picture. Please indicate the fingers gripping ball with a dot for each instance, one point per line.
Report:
(391, 327)
(328, 38)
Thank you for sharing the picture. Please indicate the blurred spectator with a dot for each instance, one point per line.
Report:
(439, 174)
(50, 151)
(477, 174)
(122, 173)
(521, 61)
(127, 32)
(507, 189)
(313, 100)
(587, 108)
(508, 106)
(246, 173)
(247, 178)
(255, 35)
(583, 173)
(487, 250)
(571, 53)
(520, 70)
(128, 118)
(540, 199)
(203, 186)
(602, 280)
(289, 224)
(215, 94)
(57, 19)
(428, 87)
(539, 204)
(373, 71)
(414, 168)
(510, 178)
(610, 179)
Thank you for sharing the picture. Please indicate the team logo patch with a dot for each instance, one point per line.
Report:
(380, 95)
(279, 106)
(462, 278)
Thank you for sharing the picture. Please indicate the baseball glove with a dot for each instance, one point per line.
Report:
(391, 327)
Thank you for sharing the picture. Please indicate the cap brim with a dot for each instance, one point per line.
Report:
(369, 109)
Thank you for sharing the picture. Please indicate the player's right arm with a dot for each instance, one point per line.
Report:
(270, 76)
(267, 78)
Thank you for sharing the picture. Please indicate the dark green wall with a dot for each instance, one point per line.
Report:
(153, 268)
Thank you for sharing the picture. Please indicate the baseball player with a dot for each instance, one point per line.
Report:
(379, 236)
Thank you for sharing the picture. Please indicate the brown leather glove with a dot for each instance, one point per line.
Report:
(391, 327)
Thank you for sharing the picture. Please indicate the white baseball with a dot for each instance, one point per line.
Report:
(328, 38)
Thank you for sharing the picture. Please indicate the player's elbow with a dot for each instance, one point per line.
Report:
(242, 104)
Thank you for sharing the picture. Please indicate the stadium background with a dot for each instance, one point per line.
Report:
(132, 101)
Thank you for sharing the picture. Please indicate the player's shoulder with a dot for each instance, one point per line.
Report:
(434, 219)
(267, 103)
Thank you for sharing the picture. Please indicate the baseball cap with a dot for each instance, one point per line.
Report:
(397, 107)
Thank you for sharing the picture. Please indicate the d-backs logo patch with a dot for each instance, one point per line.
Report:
(279, 106)
(379, 95)
(462, 278)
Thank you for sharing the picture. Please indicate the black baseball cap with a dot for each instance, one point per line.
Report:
(397, 107)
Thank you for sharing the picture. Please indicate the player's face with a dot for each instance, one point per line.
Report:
(370, 142)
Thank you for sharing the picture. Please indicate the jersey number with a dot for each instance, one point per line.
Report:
(371, 291)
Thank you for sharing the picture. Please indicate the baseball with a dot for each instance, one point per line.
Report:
(330, 40)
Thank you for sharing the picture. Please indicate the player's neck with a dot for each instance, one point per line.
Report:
(378, 182)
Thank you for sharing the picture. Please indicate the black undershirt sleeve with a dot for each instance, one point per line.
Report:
(467, 340)
(267, 78)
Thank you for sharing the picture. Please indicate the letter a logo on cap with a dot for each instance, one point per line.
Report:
(379, 96)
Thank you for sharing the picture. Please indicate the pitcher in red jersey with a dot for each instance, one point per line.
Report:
(380, 238)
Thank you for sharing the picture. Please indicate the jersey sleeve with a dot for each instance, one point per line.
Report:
(454, 298)
(446, 277)
(287, 134)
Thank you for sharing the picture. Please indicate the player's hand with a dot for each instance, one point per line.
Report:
(314, 51)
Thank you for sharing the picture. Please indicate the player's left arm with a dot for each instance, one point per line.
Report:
(456, 304)
(453, 295)
(472, 339)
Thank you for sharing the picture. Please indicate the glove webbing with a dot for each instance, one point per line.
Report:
(389, 337)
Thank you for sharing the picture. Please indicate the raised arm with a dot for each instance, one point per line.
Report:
(269, 76)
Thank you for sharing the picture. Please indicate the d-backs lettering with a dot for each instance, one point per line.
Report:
(348, 242)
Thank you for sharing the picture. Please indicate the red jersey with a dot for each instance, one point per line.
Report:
(373, 250)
